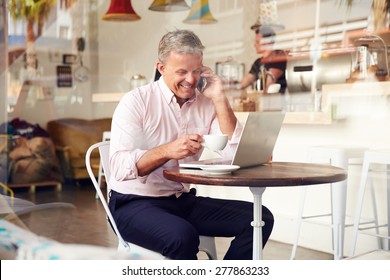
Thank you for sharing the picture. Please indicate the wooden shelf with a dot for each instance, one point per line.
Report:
(33, 186)
(324, 117)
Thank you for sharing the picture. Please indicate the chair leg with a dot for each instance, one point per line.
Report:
(338, 199)
(359, 205)
(299, 224)
(375, 212)
(207, 245)
(388, 205)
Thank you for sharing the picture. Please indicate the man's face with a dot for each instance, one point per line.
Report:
(181, 73)
(263, 45)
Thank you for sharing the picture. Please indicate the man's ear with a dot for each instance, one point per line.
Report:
(160, 67)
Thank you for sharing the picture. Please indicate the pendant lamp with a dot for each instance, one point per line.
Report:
(121, 10)
(168, 5)
(200, 13)
(268, 16)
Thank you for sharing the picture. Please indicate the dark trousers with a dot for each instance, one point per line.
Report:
(171, 225)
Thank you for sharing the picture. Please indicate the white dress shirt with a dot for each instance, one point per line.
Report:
(148, 117)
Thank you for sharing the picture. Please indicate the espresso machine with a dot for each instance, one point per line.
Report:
(334, 66)
(366, 60)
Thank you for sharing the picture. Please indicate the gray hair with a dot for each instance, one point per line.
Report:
(179, 41)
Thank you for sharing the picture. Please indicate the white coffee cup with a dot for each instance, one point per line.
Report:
(215, 142)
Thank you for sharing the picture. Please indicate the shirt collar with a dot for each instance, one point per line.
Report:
(168, 94)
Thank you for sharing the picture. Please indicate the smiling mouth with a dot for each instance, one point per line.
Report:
(187, 87)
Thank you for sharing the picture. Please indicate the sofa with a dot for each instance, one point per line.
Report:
(72, 137)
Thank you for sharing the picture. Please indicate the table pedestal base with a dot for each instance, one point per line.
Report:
(257, 222)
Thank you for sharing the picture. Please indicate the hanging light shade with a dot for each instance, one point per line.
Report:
(200, 13)
(168, 5)
(121, 10)
(268, 15)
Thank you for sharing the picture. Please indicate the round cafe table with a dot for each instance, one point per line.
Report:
(258, 178)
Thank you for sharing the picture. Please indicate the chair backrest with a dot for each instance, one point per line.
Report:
(104, 151)
(207, 243)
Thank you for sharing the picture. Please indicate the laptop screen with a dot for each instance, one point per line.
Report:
(256, 143)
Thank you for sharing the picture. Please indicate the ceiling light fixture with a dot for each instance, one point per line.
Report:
(168, 5)
(200, 13)
(121, 10)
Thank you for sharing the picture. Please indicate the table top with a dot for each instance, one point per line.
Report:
(275, 174)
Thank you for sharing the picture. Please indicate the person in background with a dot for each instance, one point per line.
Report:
(270, 67)
(160, 125)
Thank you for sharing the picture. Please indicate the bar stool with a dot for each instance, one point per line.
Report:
(381, 157)
(338, 156)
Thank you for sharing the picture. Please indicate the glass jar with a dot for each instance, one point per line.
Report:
(231, 73)
(136, 81)
(371, 61)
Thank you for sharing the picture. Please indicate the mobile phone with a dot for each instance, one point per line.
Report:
(201, 84)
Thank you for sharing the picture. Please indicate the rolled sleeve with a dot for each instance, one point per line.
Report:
(123, 164)
(236, 134)
(232, 144)
(231, 147)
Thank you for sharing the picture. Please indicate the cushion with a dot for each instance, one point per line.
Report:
(34, 160)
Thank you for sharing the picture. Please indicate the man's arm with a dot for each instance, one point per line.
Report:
(273, 74)
(214, 90)
(184, 146)
(226, 118)
(248, 79)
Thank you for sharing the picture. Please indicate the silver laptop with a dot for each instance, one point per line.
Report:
(256, 143)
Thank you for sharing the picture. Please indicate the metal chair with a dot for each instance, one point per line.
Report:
(372, 227)
(207, 243)
(7, 189)
(338, 156)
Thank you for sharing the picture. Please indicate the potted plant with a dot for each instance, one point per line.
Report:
(380, 14)
(380, 10)
(35, 12)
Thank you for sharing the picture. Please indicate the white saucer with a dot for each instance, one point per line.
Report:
(220, 169)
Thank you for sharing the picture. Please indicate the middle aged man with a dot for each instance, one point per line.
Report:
(159, 125)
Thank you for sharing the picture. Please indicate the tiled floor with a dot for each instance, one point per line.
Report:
(87, 225)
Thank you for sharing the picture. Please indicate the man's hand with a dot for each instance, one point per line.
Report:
(214, 88)
(184, 146)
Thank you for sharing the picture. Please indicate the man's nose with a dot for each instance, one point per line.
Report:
(191, 77)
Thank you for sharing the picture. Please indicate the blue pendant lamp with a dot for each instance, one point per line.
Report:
(168, 5)
(200, 13)
(121, 10)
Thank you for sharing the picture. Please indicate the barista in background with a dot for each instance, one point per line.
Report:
(270, 67)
